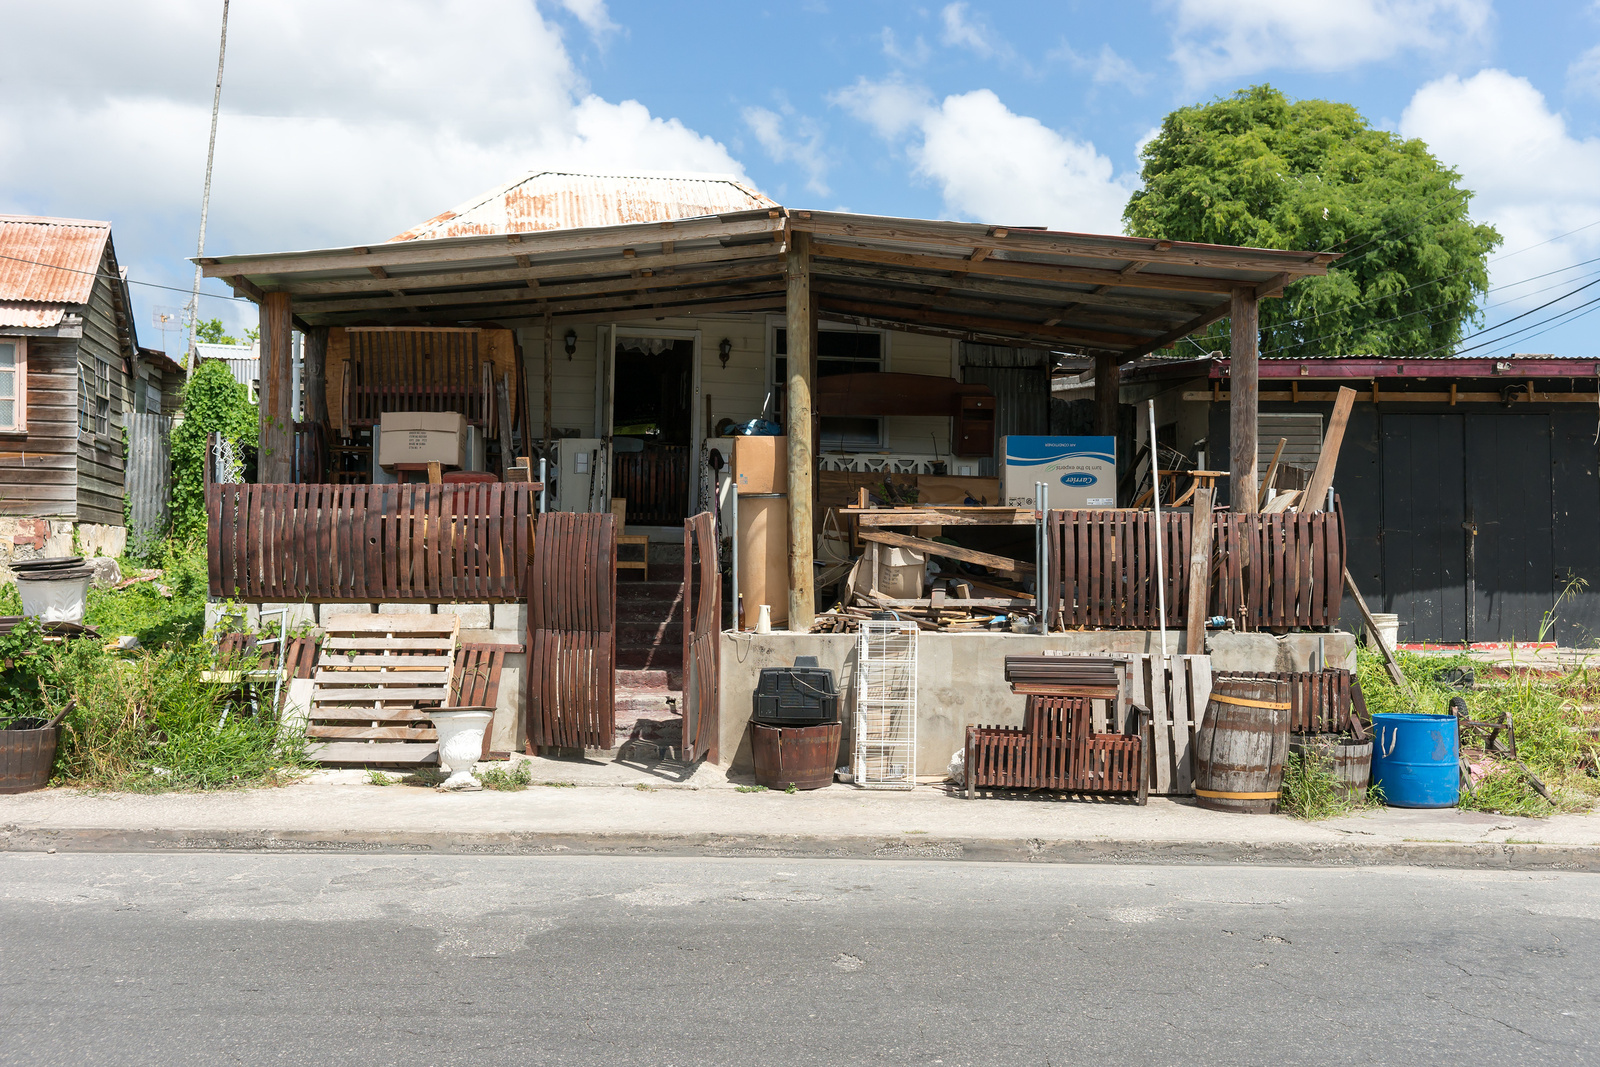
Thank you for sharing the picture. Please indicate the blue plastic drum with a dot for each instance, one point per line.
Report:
(1415, 760)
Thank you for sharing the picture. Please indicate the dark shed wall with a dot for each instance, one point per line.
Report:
(1414, 478)
(100, 457)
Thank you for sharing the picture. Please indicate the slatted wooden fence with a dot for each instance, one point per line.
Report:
(572, 632)
(702, 625)
(476, 682)
(408, 369)
(295, 543)
(655, 483)
(1269, 572)
(378, 679)
(1320, 702)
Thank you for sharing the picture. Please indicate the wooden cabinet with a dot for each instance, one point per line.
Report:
(974, 427)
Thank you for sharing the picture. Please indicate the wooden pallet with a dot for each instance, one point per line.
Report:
(378, 679)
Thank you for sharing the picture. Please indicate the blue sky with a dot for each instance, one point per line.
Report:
(348, 122)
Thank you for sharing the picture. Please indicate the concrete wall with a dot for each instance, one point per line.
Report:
(961, 677)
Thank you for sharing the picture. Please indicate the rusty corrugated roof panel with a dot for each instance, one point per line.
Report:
(51, 261)
(563, 200)
(29, 315)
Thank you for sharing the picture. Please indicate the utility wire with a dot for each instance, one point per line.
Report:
(119, 278)
(205, 197)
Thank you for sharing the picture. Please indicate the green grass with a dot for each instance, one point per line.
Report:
(751, 788)
(506, 779)
(1311, 792)
(1549, 711)
(377, 777)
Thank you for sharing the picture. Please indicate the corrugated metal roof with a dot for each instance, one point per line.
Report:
(244, 361)
(29, 315)
(49, 260)
(564, 200)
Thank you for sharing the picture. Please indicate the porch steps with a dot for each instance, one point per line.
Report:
(649, 676)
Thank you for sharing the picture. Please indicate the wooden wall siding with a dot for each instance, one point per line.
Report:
(1269, 572)
(365, 543)
(572, 632)
(101, 462)
(415, 370)
(39, 471)
(149, 475)
(702, 625)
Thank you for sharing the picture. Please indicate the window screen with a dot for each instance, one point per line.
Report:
(8, 384)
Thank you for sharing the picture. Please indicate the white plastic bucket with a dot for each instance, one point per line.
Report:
(1388, 630)
(53, 601)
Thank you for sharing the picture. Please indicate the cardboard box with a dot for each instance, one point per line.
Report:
(764, 557)
(1081, 472)
(761, 464)
(422, 437)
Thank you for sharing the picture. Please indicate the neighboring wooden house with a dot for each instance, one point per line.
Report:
(71, 371)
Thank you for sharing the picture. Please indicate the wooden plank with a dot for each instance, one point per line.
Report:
(377, 752)
(1243, 405)
(935, 548)
(1272, 473)
(1315, 497)
(1199, 571)
(1161, 716)
(381, 733)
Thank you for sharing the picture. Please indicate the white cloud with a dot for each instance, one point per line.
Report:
(791, 138)
(991, 164)
(1106, 67)
(1583, 75)
(341, 123)
(1533, 180)
(961, 31)
(592, 13)
(1216, 40)
(914, 56)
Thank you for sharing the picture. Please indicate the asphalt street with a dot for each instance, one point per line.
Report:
(417, 960)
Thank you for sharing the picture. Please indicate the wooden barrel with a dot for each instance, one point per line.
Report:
(1239, 753)
(802, 756)
(1348, 760)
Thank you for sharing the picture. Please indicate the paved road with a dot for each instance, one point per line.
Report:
(372, 960)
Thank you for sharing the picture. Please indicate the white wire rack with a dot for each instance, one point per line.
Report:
(886, 706)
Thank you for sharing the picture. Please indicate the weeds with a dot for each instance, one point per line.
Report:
(506, 779)
(644, 787)
(1311, 791)
(560, 785)
(377, 777)
(792, 789)
(751, 788)
(1552, 715)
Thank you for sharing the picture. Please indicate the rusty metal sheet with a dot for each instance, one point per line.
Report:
(50, 261)
(572, 632)
(30, 315)
(558, 200)
(702, 625)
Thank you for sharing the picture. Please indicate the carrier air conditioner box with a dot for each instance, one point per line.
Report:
(1081, 472)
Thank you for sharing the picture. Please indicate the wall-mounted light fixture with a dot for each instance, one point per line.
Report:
(572, 343)
(724, 350)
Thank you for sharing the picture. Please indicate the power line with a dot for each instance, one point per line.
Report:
(119, 278)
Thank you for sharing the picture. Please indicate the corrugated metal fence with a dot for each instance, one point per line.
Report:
(149, 475)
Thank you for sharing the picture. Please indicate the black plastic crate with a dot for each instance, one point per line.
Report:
(802, 695)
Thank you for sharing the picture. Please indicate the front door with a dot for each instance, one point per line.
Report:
(653, 399)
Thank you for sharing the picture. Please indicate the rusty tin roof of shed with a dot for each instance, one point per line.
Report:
(568, 200)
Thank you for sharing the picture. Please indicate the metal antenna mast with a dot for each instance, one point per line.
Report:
(205, 199)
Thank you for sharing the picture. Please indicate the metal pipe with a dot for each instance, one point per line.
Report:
(1161, 577)
(1041, 547)
(543, 483)
(733, 493)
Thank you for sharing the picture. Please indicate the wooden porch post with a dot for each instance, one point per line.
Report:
(1243, 406)
(1106, 380)
(315, 366)
(549, 375)
(277, 429)
(800, 331)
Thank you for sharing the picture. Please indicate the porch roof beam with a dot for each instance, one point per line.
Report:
(1062, 310)
(500, 246)
(574, 269)
(520, 315)
(971, 237)
(533, 306)
(1010, 268)
(1097, 339)
(652, 281)
(996, 287)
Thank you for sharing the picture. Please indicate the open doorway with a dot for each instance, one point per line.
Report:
(652, 428)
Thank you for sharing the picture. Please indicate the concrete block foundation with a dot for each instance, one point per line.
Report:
(961, 677)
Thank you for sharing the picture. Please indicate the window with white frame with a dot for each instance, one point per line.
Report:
(94, 397)
(838, 352)
(13, 385)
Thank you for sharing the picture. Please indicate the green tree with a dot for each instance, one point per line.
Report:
(1256, 169)
(212, 402)
(209, 332)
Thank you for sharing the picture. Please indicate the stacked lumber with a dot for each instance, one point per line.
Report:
(1076, 671)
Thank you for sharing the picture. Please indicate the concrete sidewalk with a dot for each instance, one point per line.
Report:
(337, 811)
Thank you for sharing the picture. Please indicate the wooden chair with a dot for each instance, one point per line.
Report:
(619, 508)
(1057, 749)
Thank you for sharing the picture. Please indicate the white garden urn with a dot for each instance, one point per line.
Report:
(460, 743)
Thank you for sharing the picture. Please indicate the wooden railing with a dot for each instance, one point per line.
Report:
(1269, 572)
(655, 483)
(293, 543)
